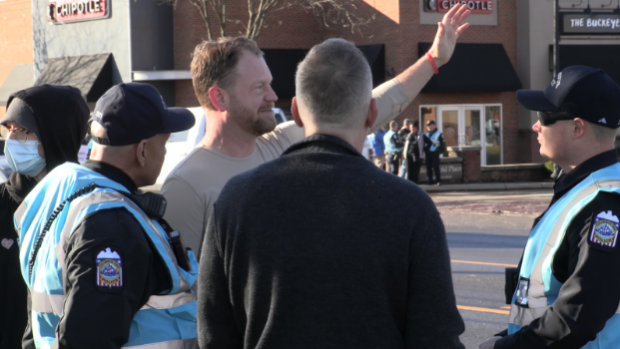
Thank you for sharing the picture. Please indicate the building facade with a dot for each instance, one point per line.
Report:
(93, 44)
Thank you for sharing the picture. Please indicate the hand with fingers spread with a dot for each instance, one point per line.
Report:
(450, 28)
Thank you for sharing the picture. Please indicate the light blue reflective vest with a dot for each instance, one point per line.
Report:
(390, 146)
(543, 288)
(165, 321)
(435, 139)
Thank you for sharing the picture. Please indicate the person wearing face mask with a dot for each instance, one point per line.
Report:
(43, 128)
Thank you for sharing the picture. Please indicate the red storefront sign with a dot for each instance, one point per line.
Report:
(64, 11)
(475, 6)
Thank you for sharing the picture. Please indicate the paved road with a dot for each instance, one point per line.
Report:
(486, 233)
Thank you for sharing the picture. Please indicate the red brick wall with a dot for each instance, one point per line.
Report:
(15, 37)
(396, 24)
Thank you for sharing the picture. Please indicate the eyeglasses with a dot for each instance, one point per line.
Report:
(19, 134)
(549, 118)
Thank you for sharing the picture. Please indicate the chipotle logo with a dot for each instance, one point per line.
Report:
(64, 11)
(442, 6)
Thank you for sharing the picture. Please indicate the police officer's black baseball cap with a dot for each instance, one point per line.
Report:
(132, 112)
(430, 122)
(583, 92)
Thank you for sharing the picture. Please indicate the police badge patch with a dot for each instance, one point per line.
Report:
(109, 271)
(605, 230)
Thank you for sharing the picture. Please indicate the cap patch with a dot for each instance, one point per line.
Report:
(109, 271)
(557, 81)
(605, 229)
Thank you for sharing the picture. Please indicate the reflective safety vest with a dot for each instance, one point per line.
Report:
(390, 146)
(537, 288)
(166, 321)
(435, 139)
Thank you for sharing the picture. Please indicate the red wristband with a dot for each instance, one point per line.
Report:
(430, 59)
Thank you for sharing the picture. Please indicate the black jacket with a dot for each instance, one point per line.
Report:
(321, 249)
(96, 318)
(428, 143)
(591, 291)
(13, 290)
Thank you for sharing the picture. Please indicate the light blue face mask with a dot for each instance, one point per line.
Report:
(24, 157)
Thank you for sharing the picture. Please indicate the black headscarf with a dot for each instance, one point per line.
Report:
(62, 118)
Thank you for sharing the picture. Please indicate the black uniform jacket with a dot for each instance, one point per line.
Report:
(99, 317)
(428, 143)
(590, 273)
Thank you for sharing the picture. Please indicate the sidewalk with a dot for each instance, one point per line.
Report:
(487, 186)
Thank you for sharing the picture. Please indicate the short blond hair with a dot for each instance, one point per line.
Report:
(214, 64)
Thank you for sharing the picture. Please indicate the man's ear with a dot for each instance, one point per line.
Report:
(141, 152)
(579, 128)
(371, 117)
(295, 112)
(218, 98)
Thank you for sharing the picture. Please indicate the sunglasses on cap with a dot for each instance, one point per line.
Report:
(549, 118)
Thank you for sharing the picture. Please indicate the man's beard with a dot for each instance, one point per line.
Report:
(249, 120)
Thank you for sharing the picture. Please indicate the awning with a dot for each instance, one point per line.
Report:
(91, 74)
(283, 64)
(474, 68)
(596, 56)
(20, 77)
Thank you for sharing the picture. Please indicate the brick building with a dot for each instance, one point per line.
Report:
(485, 115)
(15, 41)
(93, 44)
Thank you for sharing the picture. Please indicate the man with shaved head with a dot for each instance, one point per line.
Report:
(233, 85)
(329, 273)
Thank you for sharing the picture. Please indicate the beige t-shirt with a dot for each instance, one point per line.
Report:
(195, 183)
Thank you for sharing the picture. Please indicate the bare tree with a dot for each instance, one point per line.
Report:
(342, 13)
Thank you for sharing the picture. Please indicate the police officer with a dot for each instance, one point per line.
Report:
(568, 289)
(104, 270)
(393, 147)
(433, 147)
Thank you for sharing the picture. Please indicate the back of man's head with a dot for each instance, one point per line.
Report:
(393, 125)
(214, 63)
(334, 84)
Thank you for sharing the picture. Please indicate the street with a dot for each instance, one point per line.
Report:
(486, 233)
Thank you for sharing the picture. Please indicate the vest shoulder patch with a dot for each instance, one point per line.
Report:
(109, 266)
(604, 230)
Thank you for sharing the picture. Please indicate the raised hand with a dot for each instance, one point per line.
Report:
(448, 32)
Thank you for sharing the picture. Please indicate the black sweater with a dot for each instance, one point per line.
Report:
(321, 249)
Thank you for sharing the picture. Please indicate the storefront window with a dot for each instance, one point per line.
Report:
(426, 114)
(469, 125)
(493, 142)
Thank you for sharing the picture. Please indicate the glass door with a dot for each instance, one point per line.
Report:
(492, 136)
(449, 126)
(461, 126)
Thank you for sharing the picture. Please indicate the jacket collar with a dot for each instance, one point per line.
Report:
(579, 173)
(113, 173)
(320, 143)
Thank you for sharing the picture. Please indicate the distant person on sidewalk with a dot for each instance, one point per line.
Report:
(433, 147)
(378, 148)
(414, 152)
(402, 134)
(568, 289)
(393, 148)
(332, 272)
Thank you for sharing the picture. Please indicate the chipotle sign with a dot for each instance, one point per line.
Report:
(475, 6)
(64, 11)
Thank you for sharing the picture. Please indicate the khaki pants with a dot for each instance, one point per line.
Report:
(379, 161)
